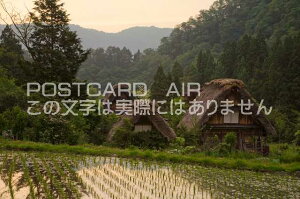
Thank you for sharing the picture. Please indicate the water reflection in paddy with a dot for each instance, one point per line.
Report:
(50, 175)
(117, 178)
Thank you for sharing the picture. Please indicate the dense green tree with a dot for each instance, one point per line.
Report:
(172, 46)
(15, 122)
(228, 59)
(11, 55)
(228, 20)
(177, 73)
(116, 65)
(191, 74)
(10, 94)
(284, 73)
(9, 42)
(126, 57)
(160, 85)
(137, 56)
(205, 66)
(56, 51)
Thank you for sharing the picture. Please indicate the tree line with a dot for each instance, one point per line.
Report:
(248, 40)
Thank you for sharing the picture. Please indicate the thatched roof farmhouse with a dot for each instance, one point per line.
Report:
(145, 123)
(251, 130)
(140, 122)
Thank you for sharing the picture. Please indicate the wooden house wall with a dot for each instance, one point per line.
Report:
(143, 124)
(250, 135)
(218, 118)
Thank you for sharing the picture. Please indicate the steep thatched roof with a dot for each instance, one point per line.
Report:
(218, 90)
(110, 97)
(157, 120)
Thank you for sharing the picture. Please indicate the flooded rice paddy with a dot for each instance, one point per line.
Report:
(48, 175)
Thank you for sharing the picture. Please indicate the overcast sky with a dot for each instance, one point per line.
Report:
(116, 15)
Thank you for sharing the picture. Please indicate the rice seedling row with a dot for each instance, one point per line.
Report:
(48, 175)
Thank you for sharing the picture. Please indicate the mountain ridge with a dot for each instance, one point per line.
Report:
(134, 38)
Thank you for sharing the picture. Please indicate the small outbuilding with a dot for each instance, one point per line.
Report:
(251, 130)
(143, 123)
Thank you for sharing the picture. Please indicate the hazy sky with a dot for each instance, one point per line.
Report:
(116, 15)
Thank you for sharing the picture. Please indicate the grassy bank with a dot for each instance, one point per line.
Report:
(257, 164)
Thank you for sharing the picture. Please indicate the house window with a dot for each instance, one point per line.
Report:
(142, 127)
(231, 118)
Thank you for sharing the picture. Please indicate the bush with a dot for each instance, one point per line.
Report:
(285, 152)
(191, 137)
(14, 122)
(189, 150)
(210, 143)
(178, 143)
(126, 137)
(297, 138)
(99, 126)
(122, 137)
(10, 94)
(284, 124)
(231, 140)
(149, 139)
(223, 149)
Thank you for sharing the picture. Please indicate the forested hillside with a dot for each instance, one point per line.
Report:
(224, 22)
(228, 20)
(257, 41)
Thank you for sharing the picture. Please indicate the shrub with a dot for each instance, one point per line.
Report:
(210, 143)
(285, 152)
(14, 121)
(178, 143)
(149, 139)
(10, 95)
(284, 125)
(191, 137)
(122, 137)
(99, 126)
(189, 149)
(223, 149)
(297, 138)
(231, 140)
(126, 137)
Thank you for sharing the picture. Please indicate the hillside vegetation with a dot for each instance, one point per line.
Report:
(257, 41)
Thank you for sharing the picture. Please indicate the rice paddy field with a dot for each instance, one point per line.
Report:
(50, 175)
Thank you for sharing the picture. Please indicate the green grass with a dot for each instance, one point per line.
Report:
(256, 164)
(285, 153)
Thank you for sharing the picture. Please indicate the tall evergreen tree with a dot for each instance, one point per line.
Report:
(160, 85)
(137, 56)
(56, 51)
(11, 56)
(252, 53)
(228, 59)
(177, 73)
(126, 57)
(205, 66)
(9, 42)
(284, 73)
